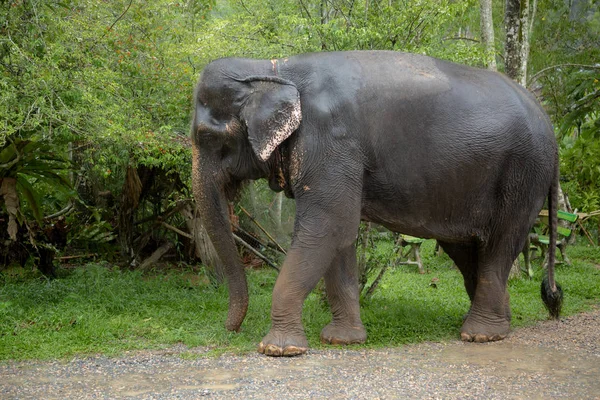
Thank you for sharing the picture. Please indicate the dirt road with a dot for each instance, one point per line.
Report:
(550, 360)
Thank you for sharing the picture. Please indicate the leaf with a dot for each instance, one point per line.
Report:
(32, 197)
(7, 154)
(50, 177)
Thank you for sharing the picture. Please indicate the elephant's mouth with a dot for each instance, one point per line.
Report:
(234, 189)
(279, 175)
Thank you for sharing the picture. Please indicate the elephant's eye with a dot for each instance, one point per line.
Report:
(228, 149)
(225, 151)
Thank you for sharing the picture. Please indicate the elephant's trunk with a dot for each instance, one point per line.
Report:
(212, 207)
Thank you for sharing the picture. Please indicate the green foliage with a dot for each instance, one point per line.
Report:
(277, 29)
(565, 52)
(105, 84)
(117, 75)
(580, 132)
(108, 85)
(34, 168)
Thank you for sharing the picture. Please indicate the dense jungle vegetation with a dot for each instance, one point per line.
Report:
(95, 103)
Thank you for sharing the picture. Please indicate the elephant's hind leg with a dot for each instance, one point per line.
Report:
(341, 281)
(464, 256)
(488, 318)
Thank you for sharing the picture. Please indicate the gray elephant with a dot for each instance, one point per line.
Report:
(421, 146)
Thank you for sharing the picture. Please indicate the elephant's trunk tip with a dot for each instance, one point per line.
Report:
(233, 326)
(237, 311)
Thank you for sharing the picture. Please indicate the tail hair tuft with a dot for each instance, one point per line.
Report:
(553, 300)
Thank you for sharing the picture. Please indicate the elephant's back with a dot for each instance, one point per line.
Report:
(393, 97)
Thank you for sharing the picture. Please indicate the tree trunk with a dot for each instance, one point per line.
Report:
(203, 247)
(512, 44)
(130, 196)
(8, 193)
(526, 24)
(515, 269)
(518, 22)
(487, 34)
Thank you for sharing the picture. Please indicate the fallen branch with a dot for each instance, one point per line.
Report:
(65, 258)
(268, 245)
(281, 249)
(256, 252)
(157, 255)
(375, 283)
(177, 230)
(64, 211)
(461, 38)
(587, 234)
(180, 204)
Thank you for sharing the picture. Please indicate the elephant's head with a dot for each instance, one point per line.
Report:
(242, 114)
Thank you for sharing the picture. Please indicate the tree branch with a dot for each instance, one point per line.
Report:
(279, 247)
(113, 24)
(305, 9)
(177, 230)
(256, 252)
(118, 19)
(246, 8)
(532, 19)
(461, 38)
(64, 211)
(543, 71)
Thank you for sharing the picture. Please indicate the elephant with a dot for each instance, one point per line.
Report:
(422, 146)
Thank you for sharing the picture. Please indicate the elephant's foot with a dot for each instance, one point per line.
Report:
(338, 334)
(278, 344)
(474, 331)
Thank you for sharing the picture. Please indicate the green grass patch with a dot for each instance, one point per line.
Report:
(96, 309)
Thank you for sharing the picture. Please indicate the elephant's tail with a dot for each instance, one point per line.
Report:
(552, 294)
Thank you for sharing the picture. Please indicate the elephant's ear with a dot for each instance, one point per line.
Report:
(271, 113)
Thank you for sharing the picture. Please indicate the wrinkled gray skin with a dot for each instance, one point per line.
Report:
(422, 146)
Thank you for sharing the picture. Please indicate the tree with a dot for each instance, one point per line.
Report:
(107, 85)
(487, 34)
(564, 75)
(518, 23)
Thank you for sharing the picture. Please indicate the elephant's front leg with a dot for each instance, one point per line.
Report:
(341, 281)
(302, 269)
(325, 230)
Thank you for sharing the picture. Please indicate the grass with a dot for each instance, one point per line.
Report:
(96, 309)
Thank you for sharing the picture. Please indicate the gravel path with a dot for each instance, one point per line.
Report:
(550, 360)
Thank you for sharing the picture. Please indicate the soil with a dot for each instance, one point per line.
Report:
(554, 359)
